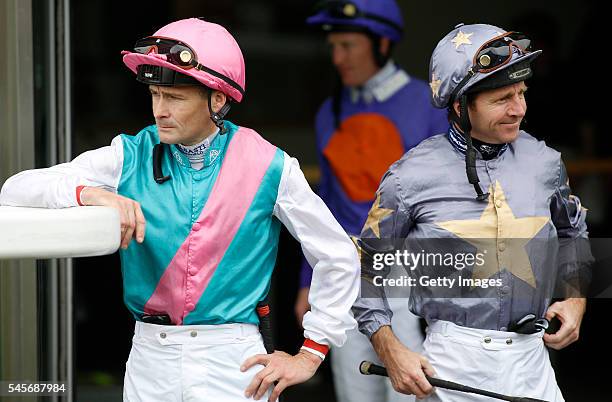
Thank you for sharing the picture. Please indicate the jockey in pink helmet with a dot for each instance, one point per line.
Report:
(196, 276)
(200, 52)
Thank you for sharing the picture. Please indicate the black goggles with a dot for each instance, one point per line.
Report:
(348, 10)
(495, 54)
(180, 54)
(176, 52)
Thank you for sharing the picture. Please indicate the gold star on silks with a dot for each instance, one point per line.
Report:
(375, 215)
(508, 233)
(462, 39)
(435, 85)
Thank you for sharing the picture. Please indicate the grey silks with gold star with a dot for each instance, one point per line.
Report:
(531, 222)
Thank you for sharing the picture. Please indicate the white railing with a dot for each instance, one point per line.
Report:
(58, 233)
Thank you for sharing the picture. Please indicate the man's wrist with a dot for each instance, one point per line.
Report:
(79, 195)
(383, 341)
(313, 359)
(314, 348)
(581, 302)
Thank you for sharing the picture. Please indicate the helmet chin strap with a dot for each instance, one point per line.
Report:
(470, 154)
(217, 117)
(158, 149)
(379, 58)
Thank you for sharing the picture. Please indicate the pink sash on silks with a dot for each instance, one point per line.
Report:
(185, 279)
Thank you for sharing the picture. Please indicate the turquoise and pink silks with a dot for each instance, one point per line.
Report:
(209, 252)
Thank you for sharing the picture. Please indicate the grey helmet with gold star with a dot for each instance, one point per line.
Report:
(477, 57)
(474, 58)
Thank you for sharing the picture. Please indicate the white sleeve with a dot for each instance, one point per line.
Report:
(55, 187)
(335, 279)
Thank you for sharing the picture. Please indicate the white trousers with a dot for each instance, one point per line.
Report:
(502, 362)
(349, 383)
(191, 363)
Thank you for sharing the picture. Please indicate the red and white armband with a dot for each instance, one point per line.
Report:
(315, 348)
(79, 189)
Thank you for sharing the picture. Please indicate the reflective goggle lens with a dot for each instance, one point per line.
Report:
(176, 52)
(498, 51)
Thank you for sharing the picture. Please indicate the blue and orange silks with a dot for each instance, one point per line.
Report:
(211, 239)
(371, 136)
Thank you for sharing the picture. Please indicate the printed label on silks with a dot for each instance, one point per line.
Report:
(480, 268)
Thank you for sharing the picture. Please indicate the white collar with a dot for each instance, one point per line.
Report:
(382, 85)
(199, 148)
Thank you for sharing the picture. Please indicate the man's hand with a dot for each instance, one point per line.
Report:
(132, 218)
(570, 313)
(406, 369)
(301, 304)
(286, 369)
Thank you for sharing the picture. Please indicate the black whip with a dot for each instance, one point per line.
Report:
(368, 368)
(265, 328)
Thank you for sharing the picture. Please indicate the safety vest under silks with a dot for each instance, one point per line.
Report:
(211, 239)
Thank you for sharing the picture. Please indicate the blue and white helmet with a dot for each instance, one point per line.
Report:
(455, 67)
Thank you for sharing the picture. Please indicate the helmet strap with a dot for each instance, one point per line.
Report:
(337, 99)
(158, 154)
(470, 154)
(217, 117)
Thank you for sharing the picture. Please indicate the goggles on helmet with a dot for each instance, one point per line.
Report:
(178, 54)
(494, 54)
(498, 51)
(349, 10)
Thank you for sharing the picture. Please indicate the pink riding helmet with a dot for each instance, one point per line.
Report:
(218, 60)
